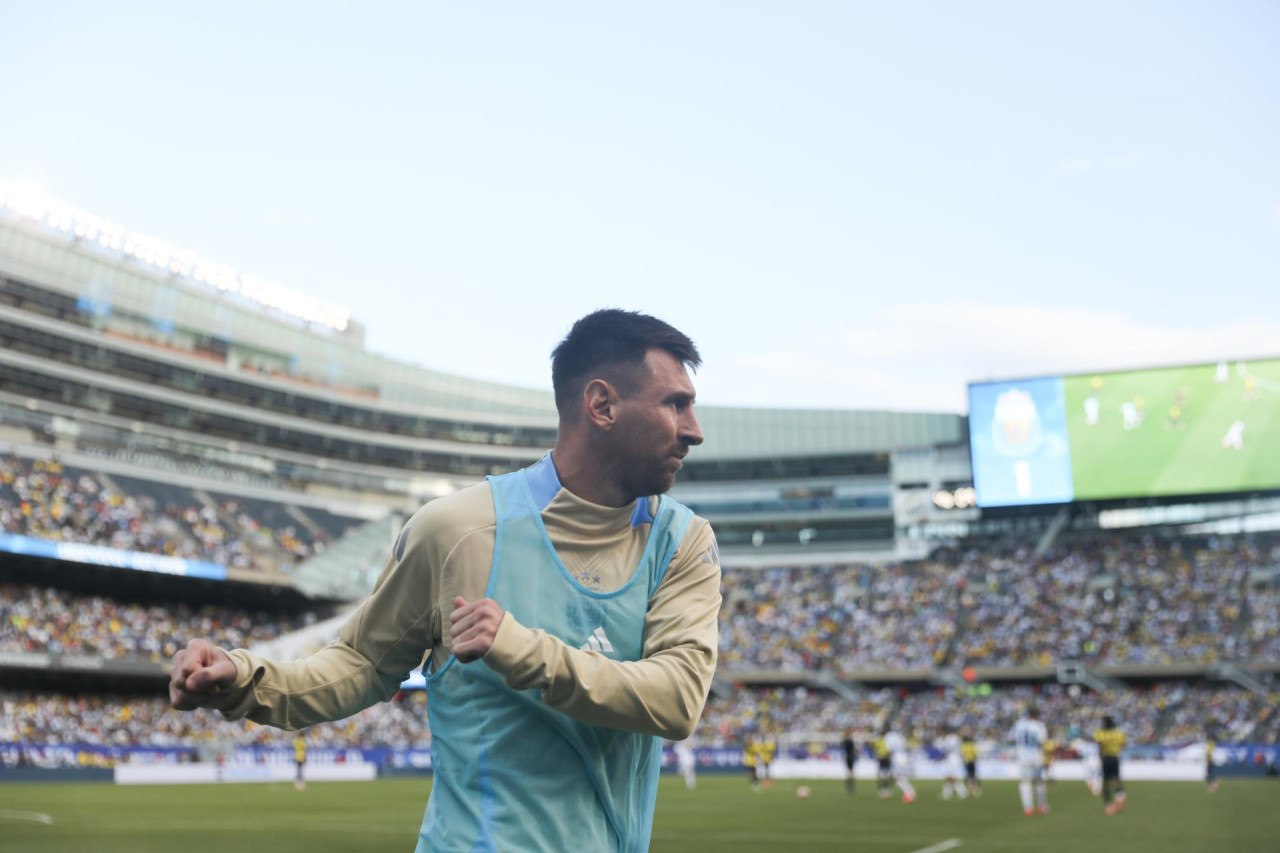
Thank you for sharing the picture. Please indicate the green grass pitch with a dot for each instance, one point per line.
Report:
(722, 814)
(1182, 452)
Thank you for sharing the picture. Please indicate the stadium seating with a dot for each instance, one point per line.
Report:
(46, 619)
(114, 720)
(47, 500)
(1104, 601)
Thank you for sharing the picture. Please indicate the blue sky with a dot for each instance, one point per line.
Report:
(848, 205)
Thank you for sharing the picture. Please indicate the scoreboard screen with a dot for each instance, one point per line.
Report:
(1136, 433)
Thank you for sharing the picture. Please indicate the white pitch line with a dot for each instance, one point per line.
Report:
(34, 817)
(949, 844)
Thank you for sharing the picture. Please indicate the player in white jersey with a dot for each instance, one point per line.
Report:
(1092, 761)
(1029, 735)
(953, 766)
(686, 763)
(897, 746)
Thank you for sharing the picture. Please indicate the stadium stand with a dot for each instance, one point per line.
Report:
(47, 619)
(114, 720)
(861, 582)
(47, 500)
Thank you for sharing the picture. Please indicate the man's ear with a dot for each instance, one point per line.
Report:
(600, 404)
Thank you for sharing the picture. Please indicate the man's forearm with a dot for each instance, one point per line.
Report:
(331, 684)
(662, 694)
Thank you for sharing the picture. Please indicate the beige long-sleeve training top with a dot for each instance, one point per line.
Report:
(447, 551)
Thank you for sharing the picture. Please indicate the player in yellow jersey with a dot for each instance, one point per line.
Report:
(1111, 743)
(766, 747)
(300, 759)
(749, 761)
(884, 765)
(1210, 772)
(969, 753)
(1050, 747)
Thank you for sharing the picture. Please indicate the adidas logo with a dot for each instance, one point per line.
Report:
(597, 642)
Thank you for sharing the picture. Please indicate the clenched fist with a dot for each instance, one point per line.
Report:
(474, 625)
(200, 672)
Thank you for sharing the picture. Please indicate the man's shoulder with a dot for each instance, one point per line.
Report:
(698, 530)
(442, 523)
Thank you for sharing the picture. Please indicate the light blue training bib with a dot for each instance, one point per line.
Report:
(512, 774)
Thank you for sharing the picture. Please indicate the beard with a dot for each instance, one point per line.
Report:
(641, 479)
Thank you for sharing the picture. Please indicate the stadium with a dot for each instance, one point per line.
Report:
(186, 451)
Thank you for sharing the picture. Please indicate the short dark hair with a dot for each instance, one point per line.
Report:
(609, 339)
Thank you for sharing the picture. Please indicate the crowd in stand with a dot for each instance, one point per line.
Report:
(1168, 713)
(1261, 638)
(1134, 600)
(1106, 601)
(839, 619)
(46, 619)
(1110, 602)
(775, 711)
(46, 500)
(112, 720)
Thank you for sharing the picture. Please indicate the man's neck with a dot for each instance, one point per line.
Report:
(581, 474)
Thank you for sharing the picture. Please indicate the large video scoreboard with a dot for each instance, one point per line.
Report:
(1167, 431)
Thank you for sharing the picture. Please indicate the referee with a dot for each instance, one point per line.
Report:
(1110, 745)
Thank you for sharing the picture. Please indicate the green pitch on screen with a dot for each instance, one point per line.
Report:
(1175, 431)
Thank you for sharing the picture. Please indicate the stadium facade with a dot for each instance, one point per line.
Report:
(135, 361)
(175, 377)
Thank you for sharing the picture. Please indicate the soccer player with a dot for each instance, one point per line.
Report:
(884, 764)
(850, 747)
(567, 612)
(969, 754)
(1110, 744)
(900, 764)
(1029, 735)
(1050, 747)
(1210, 771)
(686, 763)
(766, 747)
(300, 759)
(751, 760)
(953, 766)
(1092, 761)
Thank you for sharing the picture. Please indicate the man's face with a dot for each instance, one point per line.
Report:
(656, 426)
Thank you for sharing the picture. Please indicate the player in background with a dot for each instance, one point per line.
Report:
(1210, 771)
(1091, 403)
(749, 753)
(884, 764)
(1029, 735)
(900, 764)
(1091, 408)
(1110, 744)
(1234, 439)
(969, 754)
(953, 764)
(850, 747)
(766, 748)
(300, 759)
(686, 763)
(1050, 747)
(1092, 761)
